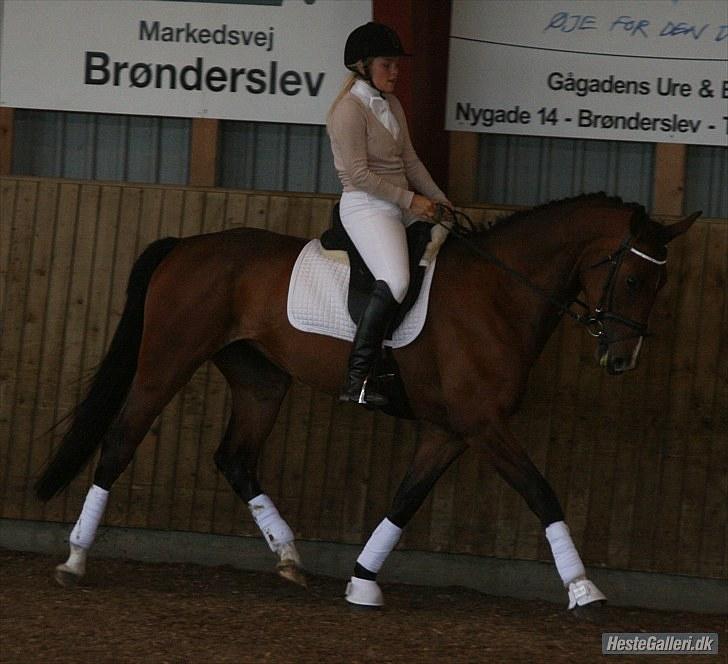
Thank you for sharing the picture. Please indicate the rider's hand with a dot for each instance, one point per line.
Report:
(421, 206)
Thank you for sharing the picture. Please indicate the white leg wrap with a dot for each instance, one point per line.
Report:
(288, 555)
(275, 530)
(568, 562)
(84, 532)
(76, 563)
(379, 546)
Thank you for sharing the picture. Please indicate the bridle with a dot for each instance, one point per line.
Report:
(462, 228)
(603, 311)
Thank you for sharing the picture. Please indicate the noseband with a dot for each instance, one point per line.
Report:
(463, 227)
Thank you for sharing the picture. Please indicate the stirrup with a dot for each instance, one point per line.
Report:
(363, 397)
(363, 393)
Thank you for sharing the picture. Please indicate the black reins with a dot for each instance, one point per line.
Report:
(463, 227)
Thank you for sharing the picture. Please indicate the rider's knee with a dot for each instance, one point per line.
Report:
(398, 284)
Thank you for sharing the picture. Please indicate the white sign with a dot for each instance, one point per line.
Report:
(624, 70)
(279, 61)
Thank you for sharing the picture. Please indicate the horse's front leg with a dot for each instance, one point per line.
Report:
(257, 388)
(432, 458)
(514, 465)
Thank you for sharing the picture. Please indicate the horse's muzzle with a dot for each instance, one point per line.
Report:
(618, 362)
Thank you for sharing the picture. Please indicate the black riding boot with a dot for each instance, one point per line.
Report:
(367, 347)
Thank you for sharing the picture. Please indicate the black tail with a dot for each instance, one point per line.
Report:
(110, 385)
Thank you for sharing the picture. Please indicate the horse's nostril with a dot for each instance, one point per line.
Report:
(620, 363)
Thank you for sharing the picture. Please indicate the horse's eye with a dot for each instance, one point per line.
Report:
(632, 283)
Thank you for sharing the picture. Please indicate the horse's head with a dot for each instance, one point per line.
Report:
(621, 284)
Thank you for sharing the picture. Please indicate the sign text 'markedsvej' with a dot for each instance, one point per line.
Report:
(279, 62)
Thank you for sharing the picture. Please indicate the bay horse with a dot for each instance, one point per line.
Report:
(496, 297)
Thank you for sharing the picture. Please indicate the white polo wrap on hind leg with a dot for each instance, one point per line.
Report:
(568, 562)
(84, 532)
(275, 530)
(379, 546)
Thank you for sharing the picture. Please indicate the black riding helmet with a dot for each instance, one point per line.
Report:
(371, 40)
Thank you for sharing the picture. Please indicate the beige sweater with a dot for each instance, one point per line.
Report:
(367, 157)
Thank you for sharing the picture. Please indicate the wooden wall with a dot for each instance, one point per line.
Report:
(640, 462)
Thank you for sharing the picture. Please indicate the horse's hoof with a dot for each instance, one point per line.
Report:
(293, 573)
(65, 578)
(364, 593)
(591, 613)
(363, 608)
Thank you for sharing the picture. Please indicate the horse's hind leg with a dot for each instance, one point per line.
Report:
(432, 458)
(514, 465)
(258, 388)
(157, 379)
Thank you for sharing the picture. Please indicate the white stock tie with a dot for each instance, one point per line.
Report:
(380, 108)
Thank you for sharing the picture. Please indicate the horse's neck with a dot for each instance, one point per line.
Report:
(548, 253)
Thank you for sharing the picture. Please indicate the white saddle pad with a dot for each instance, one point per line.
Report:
(317, 299)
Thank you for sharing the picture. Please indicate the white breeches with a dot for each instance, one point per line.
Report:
(377, 229)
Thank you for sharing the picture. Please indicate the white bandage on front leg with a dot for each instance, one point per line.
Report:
(379, 546)
(275, 530)
(566, 557)
(84, 532)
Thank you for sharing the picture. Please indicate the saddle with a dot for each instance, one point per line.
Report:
(361, 280)
(361, 283)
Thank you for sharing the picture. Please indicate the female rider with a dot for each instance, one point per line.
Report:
(385, 188)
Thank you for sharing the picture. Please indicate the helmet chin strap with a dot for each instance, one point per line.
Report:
(367, 77)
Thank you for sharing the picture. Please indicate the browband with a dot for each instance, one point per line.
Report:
(646, 257)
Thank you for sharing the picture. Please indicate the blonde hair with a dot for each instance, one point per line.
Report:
(348, 83)
(363, 67)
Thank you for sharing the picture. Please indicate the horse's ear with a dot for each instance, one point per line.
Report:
(669, 233)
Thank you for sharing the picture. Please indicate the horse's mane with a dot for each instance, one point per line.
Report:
(599, 199)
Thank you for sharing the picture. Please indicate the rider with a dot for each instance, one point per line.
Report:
(380, 173)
